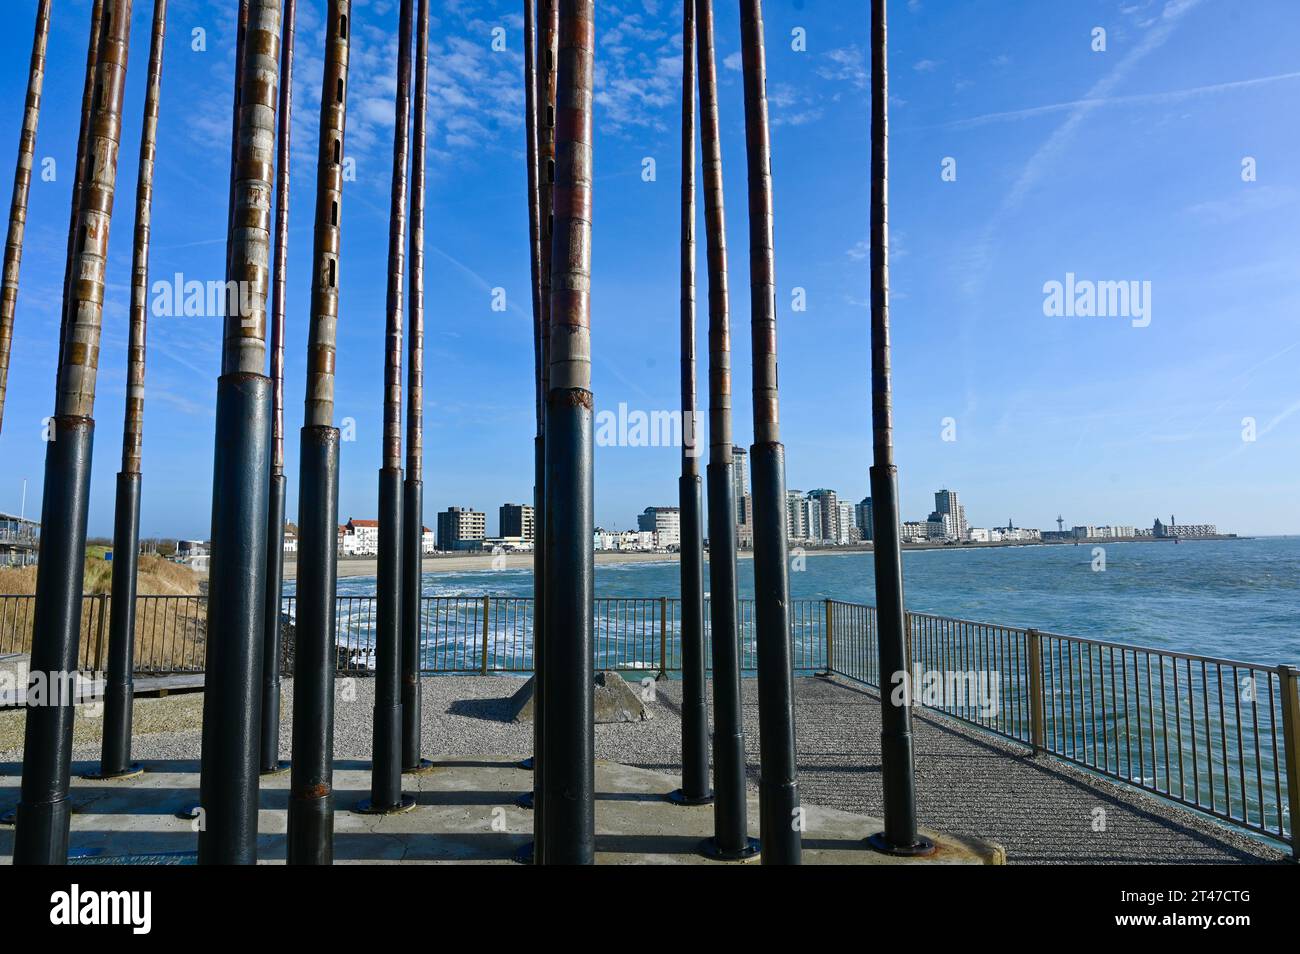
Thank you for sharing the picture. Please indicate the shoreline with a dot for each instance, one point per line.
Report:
(469, 562)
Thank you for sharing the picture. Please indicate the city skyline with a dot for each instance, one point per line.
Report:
(1059, 175)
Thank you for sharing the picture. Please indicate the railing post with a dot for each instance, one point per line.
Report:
(1036, 733)
(1290, 680)
(663, 637)
(828, 620)
(487, 609)
(101, 627)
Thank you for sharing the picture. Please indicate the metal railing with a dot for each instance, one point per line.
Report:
(1218, 735)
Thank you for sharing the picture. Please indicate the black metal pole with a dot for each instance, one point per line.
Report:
(269, 750)
(119, 687)
(568, 751)
(41, 837)
(228, 781)
(413, 490)
(232, 698)
(386, 766)
(731, 839)
(695, 711)
(897, 767)
(780, 819)
(43, 812)
(311, 785)
(272, 647)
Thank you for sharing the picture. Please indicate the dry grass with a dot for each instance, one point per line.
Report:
(168, 633)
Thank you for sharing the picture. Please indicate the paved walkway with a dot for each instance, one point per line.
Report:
(1040, 810)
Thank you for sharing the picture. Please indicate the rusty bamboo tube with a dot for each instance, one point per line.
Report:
(534, 199)
(133, 426)
(76, 397)
(415, 304)
(392, 449)
(329, 200)
(79, 179)
(690, 451)
(13, 255)
(280, 268)
(549, 12)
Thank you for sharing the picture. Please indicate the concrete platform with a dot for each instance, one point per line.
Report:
(465, 812)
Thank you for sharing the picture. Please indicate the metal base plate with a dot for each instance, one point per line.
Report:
(678, 797)
(525, 800)
(524, 855)
(423, 768)
(709, 848)
(924, 846)
(190, 812)
(135, 770)
(367, 807)
(280, 769)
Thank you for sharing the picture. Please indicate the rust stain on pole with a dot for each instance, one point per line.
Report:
(534, 199)
(549, 18)
(329, 200)
(762, 259)
(244, 348)
(87, 102)
(690, 433)
(133, 425)
(22, 186)
(415, 305)
(715, 220)
(85, 309)
(280, 268)
(570, 332)
(392, 456)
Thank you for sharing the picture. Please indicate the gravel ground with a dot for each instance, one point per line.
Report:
(1041, 810)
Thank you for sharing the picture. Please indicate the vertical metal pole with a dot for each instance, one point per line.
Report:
(487, 634)
(730, 840)
(779, 810)
(695, 788)
(115, 754)
(413, 489)
(900, 836)
(13, 254)
(79, 182)
(569, 746)
(829, 622)
(228, 785)
(548, 27)
(311, 787)
(42, 816)
(1289, 680)
(386, 762)
(270, 746)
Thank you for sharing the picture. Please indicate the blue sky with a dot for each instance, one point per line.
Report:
(1117, 165)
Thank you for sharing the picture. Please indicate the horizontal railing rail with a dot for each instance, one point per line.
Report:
(1218, 735)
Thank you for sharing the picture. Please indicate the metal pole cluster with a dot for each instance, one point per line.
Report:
(730, 839)
(695, 788)
(13, 254)
(778, 783)
(311, 797)
(898, 770)
(43, 811)
(115, 755)
(568, 750)
(270, 744)
(413, 489)
(228, 787)
(386, 766)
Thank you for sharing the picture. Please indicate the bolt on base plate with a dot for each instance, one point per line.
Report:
(423, 768)
(924, 846)
(280, 769)
(368, 807)
(709, 848)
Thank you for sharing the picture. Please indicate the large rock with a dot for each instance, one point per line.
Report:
(616, 701)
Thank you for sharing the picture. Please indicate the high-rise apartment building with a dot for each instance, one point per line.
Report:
(517, 520)
(740, 480)
(947, 505)
(796, 515)
(828, 503)
(865, 524)
(460, 528)
(664, 522)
